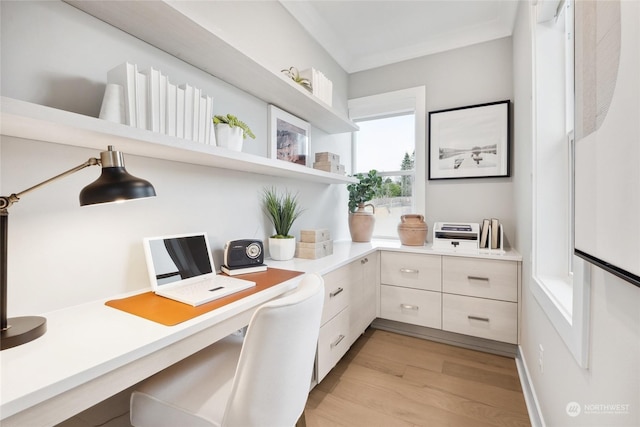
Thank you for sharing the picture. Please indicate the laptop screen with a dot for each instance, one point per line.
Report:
(174, 259)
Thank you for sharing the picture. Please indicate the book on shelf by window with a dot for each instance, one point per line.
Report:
(171, 110)
(188, 110)
(153, 98)
(141, 100)
(495, 232)
(164, 82)
(180, 112)
(484, 233)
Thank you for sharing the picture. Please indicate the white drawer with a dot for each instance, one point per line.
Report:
(411, 270)
(337, 286)
(333, 343)
(484, 318)
(485, 278)
(413, 306)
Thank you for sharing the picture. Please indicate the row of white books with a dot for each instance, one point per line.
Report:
(153, 103)
(321, 87)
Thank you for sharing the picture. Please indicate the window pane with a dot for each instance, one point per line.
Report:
(383, 143)
(395, 199)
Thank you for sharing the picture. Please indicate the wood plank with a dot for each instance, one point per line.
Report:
(388, 379)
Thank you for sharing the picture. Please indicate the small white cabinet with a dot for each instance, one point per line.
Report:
(349, 307)
(468, 295)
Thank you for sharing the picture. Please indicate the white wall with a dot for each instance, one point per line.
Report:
(472, 75)
(61, 254)
(613, 376)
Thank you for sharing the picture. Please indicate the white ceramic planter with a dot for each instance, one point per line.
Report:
(228, 137)
(282, 249)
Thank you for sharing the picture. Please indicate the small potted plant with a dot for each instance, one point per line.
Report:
(294, 75)
(282, 209)
(361, 222)
(230, 131)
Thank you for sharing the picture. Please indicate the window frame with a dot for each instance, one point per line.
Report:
(564, 296)
(404, 101)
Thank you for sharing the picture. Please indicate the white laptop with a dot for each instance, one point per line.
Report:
(181, 268)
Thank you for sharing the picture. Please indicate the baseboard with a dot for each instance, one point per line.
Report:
(445, 337)
(530, 398)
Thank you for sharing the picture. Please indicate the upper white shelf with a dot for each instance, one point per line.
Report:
(166, 28)
(32, 121)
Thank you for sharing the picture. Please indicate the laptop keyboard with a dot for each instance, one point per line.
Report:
(210, 285)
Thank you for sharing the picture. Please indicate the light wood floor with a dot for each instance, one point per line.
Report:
(392, 380)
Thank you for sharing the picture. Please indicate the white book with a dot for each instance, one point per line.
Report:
(202, 121)
(188, 111)
(153, 94)
(164, 80)
(208, 120)
(171, 119)
(141, 100)
(197, 93)
(180, 112)
(125, 76)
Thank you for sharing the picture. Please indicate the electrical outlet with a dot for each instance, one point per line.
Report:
(541, 358)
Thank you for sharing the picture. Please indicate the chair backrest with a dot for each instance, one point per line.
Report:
(274, 372)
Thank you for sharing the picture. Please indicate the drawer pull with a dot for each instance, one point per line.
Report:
(336, 342)
(479, 279)
(482, 319)
(336, 292)
(364, 261)
(409, 270)
(409, 307)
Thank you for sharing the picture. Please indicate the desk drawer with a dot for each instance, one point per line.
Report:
(478, 317)
(484, 278)
(412, 306)
(333, 343)
(337, 287)
(411, 270)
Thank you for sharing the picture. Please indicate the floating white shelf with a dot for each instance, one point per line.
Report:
(162, 26)
(32, 121)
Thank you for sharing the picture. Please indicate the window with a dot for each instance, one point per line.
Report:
(391, 140)
(560, 280)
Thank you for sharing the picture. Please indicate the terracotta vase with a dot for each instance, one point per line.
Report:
(361, 223)
(412, 230)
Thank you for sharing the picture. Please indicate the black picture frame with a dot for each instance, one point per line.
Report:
(470, 142)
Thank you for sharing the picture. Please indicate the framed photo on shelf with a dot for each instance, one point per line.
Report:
(470, 142)
(288, 137)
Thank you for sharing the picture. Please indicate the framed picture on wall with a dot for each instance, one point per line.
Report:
(288, 137)
(470, 142)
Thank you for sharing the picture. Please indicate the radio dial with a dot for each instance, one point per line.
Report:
(253, 251)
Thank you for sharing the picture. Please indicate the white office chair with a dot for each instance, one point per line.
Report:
(262, 380)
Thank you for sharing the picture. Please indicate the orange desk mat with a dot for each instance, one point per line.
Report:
(169, 312)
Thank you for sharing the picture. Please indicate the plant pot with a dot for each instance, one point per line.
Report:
(412, 230)
(229, 137)
(361, 223)
(282, 249)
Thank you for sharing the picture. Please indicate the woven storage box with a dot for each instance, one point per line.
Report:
(314, 250)
(314, 236)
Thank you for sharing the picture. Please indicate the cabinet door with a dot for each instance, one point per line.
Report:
(484, 278)
(363, 295)
(479, 317)
(417, 307)
(416, 271)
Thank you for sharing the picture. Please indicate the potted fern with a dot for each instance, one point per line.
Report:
(282, 209)
(231, 131)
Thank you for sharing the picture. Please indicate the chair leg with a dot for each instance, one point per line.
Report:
(302, 422)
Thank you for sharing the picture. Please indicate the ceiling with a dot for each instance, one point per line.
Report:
(364, 34)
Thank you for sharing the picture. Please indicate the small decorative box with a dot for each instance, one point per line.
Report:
(327, 157)
(314, 236)
(329, 167)
(314, 250)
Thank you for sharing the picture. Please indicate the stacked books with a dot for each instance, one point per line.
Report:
(314, 244)
(321, 87)
(154, 103)
(329, 162)
(491, 234)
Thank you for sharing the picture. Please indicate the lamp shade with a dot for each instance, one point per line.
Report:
(115, 183)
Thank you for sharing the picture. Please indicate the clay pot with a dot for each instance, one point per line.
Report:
(412, 230)
(361, 223)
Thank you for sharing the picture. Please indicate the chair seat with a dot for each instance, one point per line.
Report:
(188, 386)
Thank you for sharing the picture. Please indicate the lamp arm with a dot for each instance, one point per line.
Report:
(7, 201)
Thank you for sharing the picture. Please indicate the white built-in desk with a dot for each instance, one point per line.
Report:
(91, 351)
